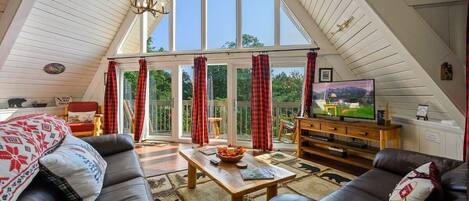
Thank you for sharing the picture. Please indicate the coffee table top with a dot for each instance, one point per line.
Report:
(228, 176)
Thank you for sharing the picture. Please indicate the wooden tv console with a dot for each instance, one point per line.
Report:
(308, 128)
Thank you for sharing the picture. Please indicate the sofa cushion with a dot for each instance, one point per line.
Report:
(122, 166)
(76, 168)
(41, 190)
(136, 189)
(376, 182)
(350, 193)
(23, 140)
(418, 184)
(456, 179)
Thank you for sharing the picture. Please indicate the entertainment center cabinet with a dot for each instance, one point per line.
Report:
(320, 136)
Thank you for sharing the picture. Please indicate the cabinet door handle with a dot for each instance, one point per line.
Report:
(311, 125)
(364, 133)
(333, 129)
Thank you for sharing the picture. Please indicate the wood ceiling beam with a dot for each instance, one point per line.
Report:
(11, 24)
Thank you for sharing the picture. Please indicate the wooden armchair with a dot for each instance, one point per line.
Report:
(84, 129)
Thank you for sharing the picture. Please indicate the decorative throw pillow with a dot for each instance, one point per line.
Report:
(81, 117)
(76, 168)
(418, 184)
(23, 140)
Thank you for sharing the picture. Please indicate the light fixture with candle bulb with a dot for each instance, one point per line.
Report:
(141, 6)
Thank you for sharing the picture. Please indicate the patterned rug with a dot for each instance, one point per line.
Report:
(312, 180)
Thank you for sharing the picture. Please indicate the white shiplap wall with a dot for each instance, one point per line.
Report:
(449, 22)
(370, 55)
(76, 33)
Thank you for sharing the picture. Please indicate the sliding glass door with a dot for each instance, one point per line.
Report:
(160, 103)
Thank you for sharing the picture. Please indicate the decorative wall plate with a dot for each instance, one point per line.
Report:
(54, 68)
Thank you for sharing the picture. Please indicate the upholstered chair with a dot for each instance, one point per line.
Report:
(88, 128)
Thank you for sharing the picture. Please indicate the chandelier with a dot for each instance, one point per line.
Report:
(141, 6)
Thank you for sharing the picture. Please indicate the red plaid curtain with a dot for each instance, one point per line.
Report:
(110, 100)
(199, 102)
(139, 115)
(466, 141)
(261, 108)
(309, 80)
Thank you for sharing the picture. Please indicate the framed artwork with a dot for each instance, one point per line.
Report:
(446, 71)
(325, 74)
(422, 112)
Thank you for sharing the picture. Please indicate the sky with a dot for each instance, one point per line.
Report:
(257, 20)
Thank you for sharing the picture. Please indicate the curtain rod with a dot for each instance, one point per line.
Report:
(228, 52)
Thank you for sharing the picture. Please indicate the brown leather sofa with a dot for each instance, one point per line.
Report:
(123, 180)
(390, 165)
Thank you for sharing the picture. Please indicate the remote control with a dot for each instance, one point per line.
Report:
(215, 161)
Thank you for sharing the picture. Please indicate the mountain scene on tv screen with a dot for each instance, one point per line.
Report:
(342, 100)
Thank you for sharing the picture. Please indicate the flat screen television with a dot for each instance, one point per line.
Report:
(352, 99)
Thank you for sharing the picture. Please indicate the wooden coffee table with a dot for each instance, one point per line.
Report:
(228, 176)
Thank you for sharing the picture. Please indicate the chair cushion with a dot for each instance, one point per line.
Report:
(369, 181)
(83, 106)
(81, 117)
(81, 127)
(122, 166)
(135, 189)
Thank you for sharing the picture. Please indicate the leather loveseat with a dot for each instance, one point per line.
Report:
(391, 165)
(123, 180)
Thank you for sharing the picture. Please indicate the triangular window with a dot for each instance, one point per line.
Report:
(291, 33)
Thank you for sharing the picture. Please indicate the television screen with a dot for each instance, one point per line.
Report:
(355, 99)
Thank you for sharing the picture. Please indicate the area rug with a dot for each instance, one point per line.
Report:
(312, 180)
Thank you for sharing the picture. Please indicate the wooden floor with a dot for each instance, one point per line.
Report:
(157, 159)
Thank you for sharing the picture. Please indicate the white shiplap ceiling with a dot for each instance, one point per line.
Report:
(75, 33)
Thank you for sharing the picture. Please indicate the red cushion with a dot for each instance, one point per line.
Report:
(83, 107)
(81, 127)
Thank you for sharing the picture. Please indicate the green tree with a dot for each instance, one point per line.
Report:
(248, 41)
(186, 86)
(151, 48)
(287, 87)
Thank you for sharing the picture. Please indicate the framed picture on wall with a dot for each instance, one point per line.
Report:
(422, 112)
(325, 74)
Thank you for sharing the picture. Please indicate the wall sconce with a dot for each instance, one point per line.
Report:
(343, 26)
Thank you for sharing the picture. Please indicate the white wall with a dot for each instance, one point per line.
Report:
(431, 137)
(449, 22)
(3, 5)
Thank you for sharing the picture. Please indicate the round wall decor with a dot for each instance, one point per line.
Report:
(54, 68)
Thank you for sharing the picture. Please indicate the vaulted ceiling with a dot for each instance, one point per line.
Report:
(377, 44)
(373, 51)
(75, 33)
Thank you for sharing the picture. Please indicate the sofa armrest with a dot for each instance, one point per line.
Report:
(402, 162)
(110, 144)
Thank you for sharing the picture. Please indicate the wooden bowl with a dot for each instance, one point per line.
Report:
(230, 159)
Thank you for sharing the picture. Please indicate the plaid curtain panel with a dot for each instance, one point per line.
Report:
(466, 140)
(199, 102)
(261, 108)
(309, 80)
(139, 115)
(110, 100)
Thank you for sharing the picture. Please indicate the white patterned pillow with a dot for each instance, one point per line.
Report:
(23, 140)
(81, 117)
(76, 168)
(418, 184)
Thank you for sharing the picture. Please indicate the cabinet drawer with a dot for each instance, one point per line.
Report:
(310, 125)
(363, 133)
(335, 128)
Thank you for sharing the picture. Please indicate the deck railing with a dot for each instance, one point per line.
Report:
(160, 117)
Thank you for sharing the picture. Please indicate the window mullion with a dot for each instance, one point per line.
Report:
(277, 23)
(239, 17)
(204, 25)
